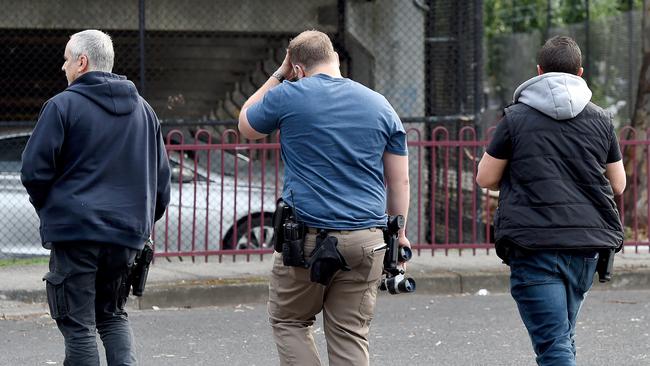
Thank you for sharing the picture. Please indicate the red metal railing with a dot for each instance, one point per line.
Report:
(633, 204)
(213, 210)
(224, 194)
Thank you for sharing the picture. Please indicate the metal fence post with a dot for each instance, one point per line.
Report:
(549, 20)
(141, 29)
(587, 62)
(630, 59)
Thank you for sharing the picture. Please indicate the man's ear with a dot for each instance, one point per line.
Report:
(539, 70)
(580, 71)
(299, 71)
(83, 64)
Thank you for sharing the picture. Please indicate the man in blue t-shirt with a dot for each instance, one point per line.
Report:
(346, 169)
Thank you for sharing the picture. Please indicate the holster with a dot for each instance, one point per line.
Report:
(138, 273)
(288, 236)
(326, 259)
(605, 264)
(280, 216)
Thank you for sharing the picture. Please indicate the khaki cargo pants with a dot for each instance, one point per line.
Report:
(348, 302)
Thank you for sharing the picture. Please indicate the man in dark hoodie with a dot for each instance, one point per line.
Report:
(556, 161)
(97, 174)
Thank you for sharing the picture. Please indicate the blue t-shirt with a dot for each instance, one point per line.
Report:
(333, 135)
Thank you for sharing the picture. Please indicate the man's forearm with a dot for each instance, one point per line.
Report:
(397, 201)
(396, 176)
(284, 71)
(244, 125)
(259, 94)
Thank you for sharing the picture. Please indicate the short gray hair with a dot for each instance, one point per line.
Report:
(97, 46)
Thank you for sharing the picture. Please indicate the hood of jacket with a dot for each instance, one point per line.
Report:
(112, 92)
(556, 94)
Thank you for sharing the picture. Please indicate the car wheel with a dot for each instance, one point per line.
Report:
(241, 241)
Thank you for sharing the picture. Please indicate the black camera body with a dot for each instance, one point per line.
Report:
(393, 279)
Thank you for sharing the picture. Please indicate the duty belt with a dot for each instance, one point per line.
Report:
(313, 230)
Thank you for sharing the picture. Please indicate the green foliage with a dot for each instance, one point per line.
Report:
(23, 261)
(516, 16)
(536, 18)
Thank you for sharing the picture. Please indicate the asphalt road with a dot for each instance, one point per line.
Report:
(414, 330)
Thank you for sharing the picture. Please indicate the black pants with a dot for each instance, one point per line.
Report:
(86, 290)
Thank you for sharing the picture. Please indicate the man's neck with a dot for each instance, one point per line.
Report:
(327, 69)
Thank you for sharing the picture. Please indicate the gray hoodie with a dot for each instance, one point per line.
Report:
(558, 95)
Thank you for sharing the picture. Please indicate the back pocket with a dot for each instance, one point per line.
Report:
(588, 273)
(533, 268)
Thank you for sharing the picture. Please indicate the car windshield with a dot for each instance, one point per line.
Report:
(11, 150)
(12, 146)
(189, 174)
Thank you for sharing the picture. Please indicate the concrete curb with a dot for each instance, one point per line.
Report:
(638, 279)
(201, 293)
(27, 296)
(439, 283)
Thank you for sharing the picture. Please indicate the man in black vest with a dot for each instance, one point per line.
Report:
(555, 159)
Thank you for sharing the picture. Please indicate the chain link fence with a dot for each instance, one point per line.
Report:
(608, 33)
(448, 67)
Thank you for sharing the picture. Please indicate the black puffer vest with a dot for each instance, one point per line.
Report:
(553, 193)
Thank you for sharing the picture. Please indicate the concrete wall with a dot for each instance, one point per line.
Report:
(388, 34)
(290, 16)
(73, 14)
(393, 32)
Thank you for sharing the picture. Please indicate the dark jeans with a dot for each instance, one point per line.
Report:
(549, 288)
(86, 290)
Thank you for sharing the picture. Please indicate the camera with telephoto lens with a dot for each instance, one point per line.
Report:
(393, 280)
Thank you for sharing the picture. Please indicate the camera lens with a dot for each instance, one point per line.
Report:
(382, 285)
(406, 285)
(398, 284)
(391, 285)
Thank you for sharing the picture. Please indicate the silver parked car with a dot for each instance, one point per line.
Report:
(204, 208)
(208, 206)
(19, 223)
